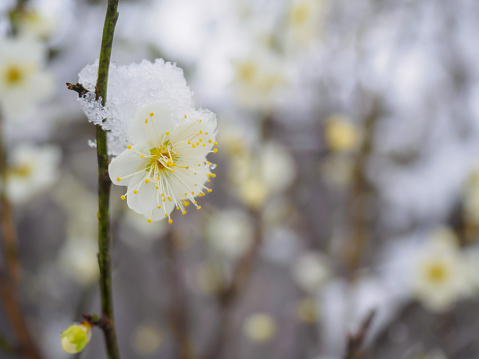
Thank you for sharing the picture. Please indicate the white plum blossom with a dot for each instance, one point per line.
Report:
(24, 82)
(166, 166)
(161, 139)
(311, 271)
(31, 170)
(439, 276)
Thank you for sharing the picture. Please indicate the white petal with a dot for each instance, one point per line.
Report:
(158, 124)
(128, 162)
(145, 199)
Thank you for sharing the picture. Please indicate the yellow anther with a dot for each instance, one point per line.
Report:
(147, 180)
(167, 133)
(199, 165)
(166, 215)
(196, 184)
(213, 175)
(208, 174)
(118, 179)
(157, 187)
(185, 115)
(192, 192)
(208, 163)
(135, 191)
(162, 195)
(209, 141)
(204, 145)
(199, 207)
(159, 207)
(195, 202)
(186, 203)
(152, 114)
(170, 221)
(169, 199)
(201, 140)
(173, 170)
(195, 173)
(208, 180)
(215, 143)
(142, 156)
(184, 212)
(200, 121)
(206, 133)
(146, 120)
(123, 197)
(186, 194)
(149, 220)
(201, 132)
(189, 142)
(210, 190)
(177, 207)
(129, 147)
(215, 150)
(164, 199)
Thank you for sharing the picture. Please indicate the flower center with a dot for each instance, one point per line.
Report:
(14, 75)
(21, 171)
(437, 273)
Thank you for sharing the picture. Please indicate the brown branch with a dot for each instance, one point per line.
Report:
(178, 309)
(359, 204)
(356, 340)
(9, 276)
(78, 88)
(230, 294)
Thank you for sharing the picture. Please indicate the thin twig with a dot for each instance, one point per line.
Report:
(178, 310)
(356, 340)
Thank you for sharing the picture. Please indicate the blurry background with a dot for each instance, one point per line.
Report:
(347, 179)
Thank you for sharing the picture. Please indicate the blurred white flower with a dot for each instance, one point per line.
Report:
(31, 170)
(259, 79)
(44, 19)
(24, 82)
(147, 339)
(341, 134)
(439, 277)
(304, 24)
(230, 232)
(259, 174)
(166, 165)
(260, 327)
(311, 271)
(78, 259)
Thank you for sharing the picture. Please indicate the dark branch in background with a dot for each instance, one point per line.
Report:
(9, 275)
(356, 340)
(359, 202)
(229, 295)
(178, 310)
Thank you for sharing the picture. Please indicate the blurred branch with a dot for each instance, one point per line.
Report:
(229, 295)
(178, 310)
(356, 340)
(359, 206)
(9, 276)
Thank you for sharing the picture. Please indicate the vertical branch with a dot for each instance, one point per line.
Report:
(229, 295)
(358, 204)
(104, 185)
(9, 275)
(178, 311)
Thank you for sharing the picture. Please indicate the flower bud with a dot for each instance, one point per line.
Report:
(76, 337)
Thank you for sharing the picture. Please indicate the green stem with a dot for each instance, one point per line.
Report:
(104, 185)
